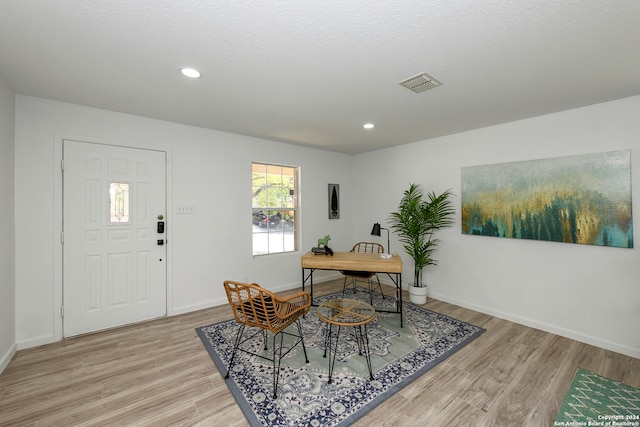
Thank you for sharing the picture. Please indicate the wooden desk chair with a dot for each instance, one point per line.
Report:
(354, 276)
(256, 307)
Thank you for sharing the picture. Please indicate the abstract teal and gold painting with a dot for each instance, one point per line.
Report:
(584, 199)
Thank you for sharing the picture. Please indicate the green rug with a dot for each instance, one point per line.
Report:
(305, 398)
(593, 400)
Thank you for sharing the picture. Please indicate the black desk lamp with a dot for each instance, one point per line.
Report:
(375, 231)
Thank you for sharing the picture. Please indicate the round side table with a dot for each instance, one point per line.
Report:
(346, 312)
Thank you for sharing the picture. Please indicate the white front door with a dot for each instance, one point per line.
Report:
(114, 257)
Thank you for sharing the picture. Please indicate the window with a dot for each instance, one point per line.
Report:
(274, 208)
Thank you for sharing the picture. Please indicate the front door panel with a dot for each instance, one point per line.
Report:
(114, 269)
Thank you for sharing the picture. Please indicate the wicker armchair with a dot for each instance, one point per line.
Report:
(354, 276)
(256, 307)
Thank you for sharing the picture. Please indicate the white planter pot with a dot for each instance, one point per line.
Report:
(418, 295)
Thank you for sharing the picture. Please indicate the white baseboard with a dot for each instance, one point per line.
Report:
(298, 285)
(200, 306)
(38, 341)
(6, 358)
(607, 345)
(221, 301)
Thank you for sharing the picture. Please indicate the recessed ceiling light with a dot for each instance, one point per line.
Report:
(369, 126)
(190, 72)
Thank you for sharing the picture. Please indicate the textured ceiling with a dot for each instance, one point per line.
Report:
(313, 72)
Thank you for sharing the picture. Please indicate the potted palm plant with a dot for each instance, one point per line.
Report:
(415, 222)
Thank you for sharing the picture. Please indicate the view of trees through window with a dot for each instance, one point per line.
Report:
(274, 208)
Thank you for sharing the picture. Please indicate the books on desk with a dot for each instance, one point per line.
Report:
(325, 250)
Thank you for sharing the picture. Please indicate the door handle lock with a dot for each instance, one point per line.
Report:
(160, 242)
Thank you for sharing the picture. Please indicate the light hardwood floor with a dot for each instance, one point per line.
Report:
(158, 373)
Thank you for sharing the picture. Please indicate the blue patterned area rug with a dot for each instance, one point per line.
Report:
(595, 400)
(398, 356)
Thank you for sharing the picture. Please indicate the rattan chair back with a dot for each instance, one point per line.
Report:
(368, 247)
(256, 307)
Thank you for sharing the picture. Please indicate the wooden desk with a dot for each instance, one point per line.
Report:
(355, 261)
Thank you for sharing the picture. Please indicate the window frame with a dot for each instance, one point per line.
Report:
(275, 208)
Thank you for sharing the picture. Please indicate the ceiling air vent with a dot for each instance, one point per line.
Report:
(420, 83)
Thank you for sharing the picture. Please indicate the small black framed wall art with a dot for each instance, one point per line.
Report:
(334, 201)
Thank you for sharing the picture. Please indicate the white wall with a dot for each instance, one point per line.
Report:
(209, 169)
(588, 293)
(7, 241)
(584, 292)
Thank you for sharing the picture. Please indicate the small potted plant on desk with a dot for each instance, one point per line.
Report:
(415, 222)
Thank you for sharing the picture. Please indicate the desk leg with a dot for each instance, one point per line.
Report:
(310, 278)
(399, 278)
(398, 283)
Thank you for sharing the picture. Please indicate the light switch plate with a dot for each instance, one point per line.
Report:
(185, 209)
